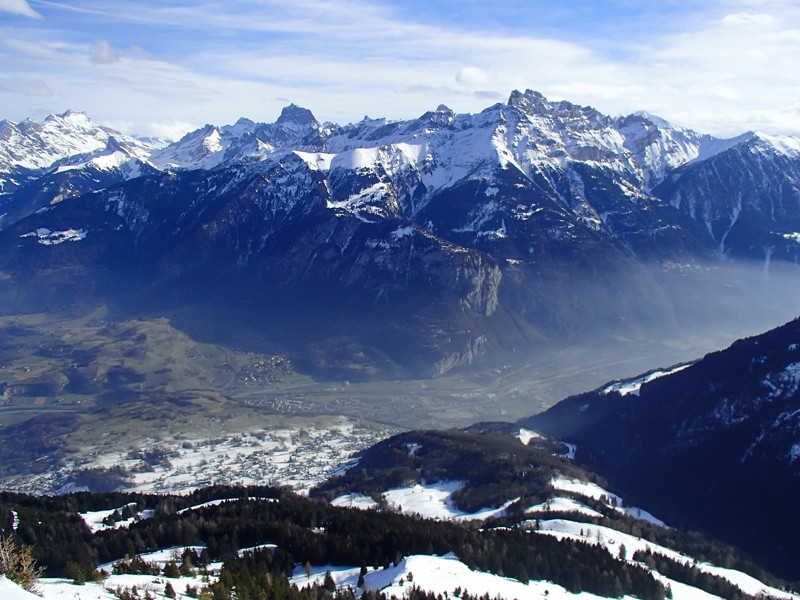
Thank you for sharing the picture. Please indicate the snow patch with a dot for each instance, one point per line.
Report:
(51, 238)
(223, 501)
(571, 449)
(585, 488)
(634, 386)
(434, 501)
(318, 161)
(355, 501)
(11, 591)
(526, 435)
(401, 232)
(611, 540)
(792, 237)
(560, 504)
(94, 519)
(594, 491)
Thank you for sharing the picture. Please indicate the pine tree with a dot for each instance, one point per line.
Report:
(329, 584)
(169, 591)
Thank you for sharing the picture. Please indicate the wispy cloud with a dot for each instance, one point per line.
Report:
(18, 7)
(103, 53)
(721, 69)
(36, 88)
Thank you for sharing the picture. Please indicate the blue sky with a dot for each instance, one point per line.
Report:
(164, 67)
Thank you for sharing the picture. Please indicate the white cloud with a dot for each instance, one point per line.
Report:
(472, 76)
(36, 88)
(103, 53)
(18, 7)
(169, 130)
(748, 19)
(724, 70)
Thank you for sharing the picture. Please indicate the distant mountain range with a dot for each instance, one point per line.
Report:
(383, 248)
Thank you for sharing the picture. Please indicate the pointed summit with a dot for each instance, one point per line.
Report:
(530, 100)
(296, 117)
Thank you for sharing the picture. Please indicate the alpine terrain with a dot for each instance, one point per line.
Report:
(712, 445)
(395, 248)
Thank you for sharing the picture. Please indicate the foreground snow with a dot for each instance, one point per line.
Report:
(437, 574)
(11, 591)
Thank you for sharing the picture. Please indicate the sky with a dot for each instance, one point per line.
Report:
(166, 67)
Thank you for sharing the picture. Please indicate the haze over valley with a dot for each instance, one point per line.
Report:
(479, 344)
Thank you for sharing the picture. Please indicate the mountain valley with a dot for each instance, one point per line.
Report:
(330, 355)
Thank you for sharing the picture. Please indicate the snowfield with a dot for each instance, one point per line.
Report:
(594, 491)
(434, 501)
(53, 238)
(634, 386)
(437, 574)
(94, 519)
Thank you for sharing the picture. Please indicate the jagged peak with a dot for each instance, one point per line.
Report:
(294, 115)
(72, 113)
(653, 119)
(532, 102)
(526, 99)
(70, 116)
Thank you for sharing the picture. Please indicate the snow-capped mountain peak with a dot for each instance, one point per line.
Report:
(31, 146)
(296, 118)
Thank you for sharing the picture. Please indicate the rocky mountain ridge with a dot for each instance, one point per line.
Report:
(453, 236)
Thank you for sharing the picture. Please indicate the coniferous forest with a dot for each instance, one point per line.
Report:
(305, 531)
(312, 532)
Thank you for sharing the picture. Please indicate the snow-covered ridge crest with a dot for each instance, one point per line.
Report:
(527, 133)
(33, 145)
(633, 386)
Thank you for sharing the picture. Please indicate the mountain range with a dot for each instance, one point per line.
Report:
(408, 247)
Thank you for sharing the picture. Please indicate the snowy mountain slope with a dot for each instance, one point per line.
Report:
(581, 169)
(30, 146)
(726, 427)
(73, 176)
(418, 473)
(295, 129)
(747, 197)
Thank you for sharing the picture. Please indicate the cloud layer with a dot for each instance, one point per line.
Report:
(724, 69)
